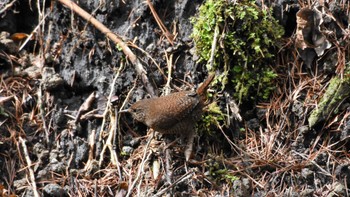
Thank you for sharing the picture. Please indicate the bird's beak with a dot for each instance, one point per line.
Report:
(123, 111)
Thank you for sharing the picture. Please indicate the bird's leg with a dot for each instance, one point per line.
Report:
(189, 144)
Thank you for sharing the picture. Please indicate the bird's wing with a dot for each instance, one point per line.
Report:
(169, 110)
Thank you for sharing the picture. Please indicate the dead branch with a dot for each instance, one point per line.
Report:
(127, 51)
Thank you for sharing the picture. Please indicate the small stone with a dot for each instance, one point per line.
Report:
(339, 189)
(127, 150)
(135, 142)
(307, 173)
(307, 193)
(54, 190)
(241, 187)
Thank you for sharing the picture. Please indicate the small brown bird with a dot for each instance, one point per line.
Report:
(176, 113)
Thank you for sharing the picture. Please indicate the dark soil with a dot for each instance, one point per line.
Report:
(61, 136)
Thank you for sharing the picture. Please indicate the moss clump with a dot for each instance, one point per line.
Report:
(218, 172)
(337, 91)
(245, 44)
(211, 119)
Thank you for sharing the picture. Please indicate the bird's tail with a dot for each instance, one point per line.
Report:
(203, 88)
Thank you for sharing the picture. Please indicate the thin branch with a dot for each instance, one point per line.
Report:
(127, 51)
(33, 32)
(180, 180)
(170, 37)
(7, 6)
(29, 164)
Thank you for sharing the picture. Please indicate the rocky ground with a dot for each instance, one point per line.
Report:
(60, 93)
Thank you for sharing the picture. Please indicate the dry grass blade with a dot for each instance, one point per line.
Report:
(112, 132)
(140, 171)
(5, 98)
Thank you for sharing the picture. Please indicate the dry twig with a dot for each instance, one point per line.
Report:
(127, 51)
(140, 171)
(29, 167)
(112, 130)
(180, 180)
(170, 37)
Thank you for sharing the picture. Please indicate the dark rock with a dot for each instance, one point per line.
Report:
(308, 175)
(342, 172)
(82, 151)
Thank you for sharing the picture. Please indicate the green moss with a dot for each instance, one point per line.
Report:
(219, 173)
(245, 45)
(211, 119)
(337, 91)
(3, 112)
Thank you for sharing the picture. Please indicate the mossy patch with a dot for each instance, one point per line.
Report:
(246, 42)
(337, 91)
